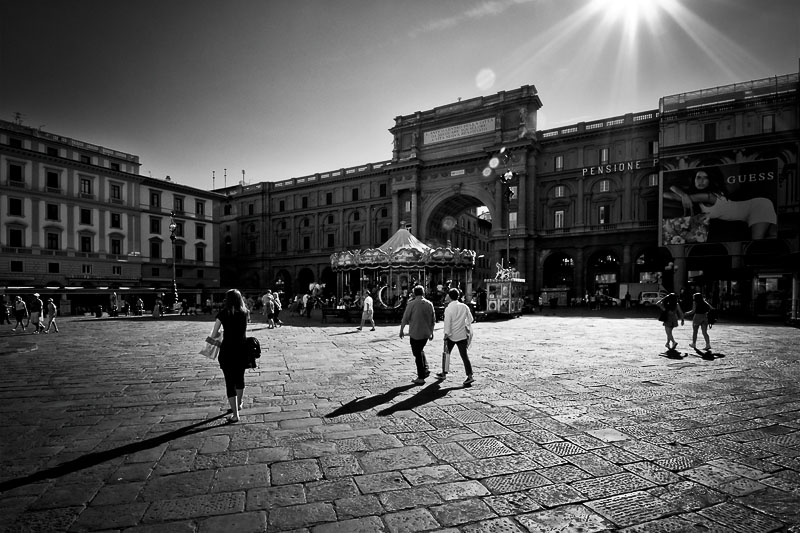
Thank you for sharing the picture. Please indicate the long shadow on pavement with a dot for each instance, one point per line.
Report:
(362, 404)
(428, 394)
(92, 459)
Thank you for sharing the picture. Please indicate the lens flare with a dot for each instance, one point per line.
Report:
(485, 79)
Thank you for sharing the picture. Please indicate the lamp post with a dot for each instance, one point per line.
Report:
(505, 180)
(172, 227)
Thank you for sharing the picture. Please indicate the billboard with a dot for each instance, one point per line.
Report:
(735, 202)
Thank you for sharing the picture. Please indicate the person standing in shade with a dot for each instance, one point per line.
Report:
(672, 312)
(367, 312)
(457, 332)
(52, 311)
(699, 312)
(232, 358)
(4, 315)
(420, 318)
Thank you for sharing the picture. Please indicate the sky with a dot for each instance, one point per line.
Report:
(211, 92)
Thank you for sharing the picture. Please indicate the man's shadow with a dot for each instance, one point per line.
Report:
(428, 394)
(93, 459)
(363, 404)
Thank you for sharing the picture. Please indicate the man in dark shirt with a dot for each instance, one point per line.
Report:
(420, 318)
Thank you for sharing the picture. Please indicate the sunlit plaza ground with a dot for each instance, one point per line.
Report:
(576, 419)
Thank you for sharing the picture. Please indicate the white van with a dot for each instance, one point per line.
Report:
(650, 298)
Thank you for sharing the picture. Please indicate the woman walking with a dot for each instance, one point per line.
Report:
(232, 359)
(671, 313)
(700, 309)
(20, 313)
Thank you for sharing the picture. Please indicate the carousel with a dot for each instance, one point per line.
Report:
(391, 271)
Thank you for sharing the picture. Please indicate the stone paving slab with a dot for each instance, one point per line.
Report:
(574, 423)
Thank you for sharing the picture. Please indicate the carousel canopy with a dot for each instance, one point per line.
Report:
(403, 250)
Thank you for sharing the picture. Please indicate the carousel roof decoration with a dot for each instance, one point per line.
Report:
(403, 250)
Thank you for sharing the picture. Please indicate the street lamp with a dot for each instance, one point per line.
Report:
(505, 180)
(172, 227)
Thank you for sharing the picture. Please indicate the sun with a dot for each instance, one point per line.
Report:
(628, 14)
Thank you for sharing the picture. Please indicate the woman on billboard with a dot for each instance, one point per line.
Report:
(710, 196)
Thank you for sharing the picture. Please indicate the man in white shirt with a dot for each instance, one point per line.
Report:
(367, 312)
(457, 332)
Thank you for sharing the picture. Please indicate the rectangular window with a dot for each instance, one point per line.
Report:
(116, 192)
(15, 173)
(199, 231)
(355, 194)
(306, 242)
(15, 207)
(15, 238)
(178, 204)
(304, 202)
(710, 132)
(559, 162)
(356, 238)
(384, 234)
(116, 220)
(86, 244)
(52, 151)
(52, 180)
(603, 214)
(116, 270)
(155, 250)
(603, 156)
(512, 220)
(86, 269)
(53, 241)
(17, 266)
(179, 229)
(114, 166)
(652, 147)
(116, 246)
(155, 225)
(768, 124)
(284, 245)
(382, 190)
(558, 219)
(559, 192)
(155, 199)
(86, 216)
(331, 242)
(86, 159)
(178, 252)
(86, 187)
(605, 186)
(200, 208)
(407, 206)
(282, 206)
(328, 198)
(53, 268)
(652, 180)
(13, 142)
(200, 253)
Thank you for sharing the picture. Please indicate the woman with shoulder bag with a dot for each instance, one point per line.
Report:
(671, 313)
(232, 354)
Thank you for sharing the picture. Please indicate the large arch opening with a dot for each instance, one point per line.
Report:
(464, 220)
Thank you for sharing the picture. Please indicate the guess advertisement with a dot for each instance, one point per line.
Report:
(735, 202)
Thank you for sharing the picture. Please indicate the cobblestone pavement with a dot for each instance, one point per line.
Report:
(574, 423)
